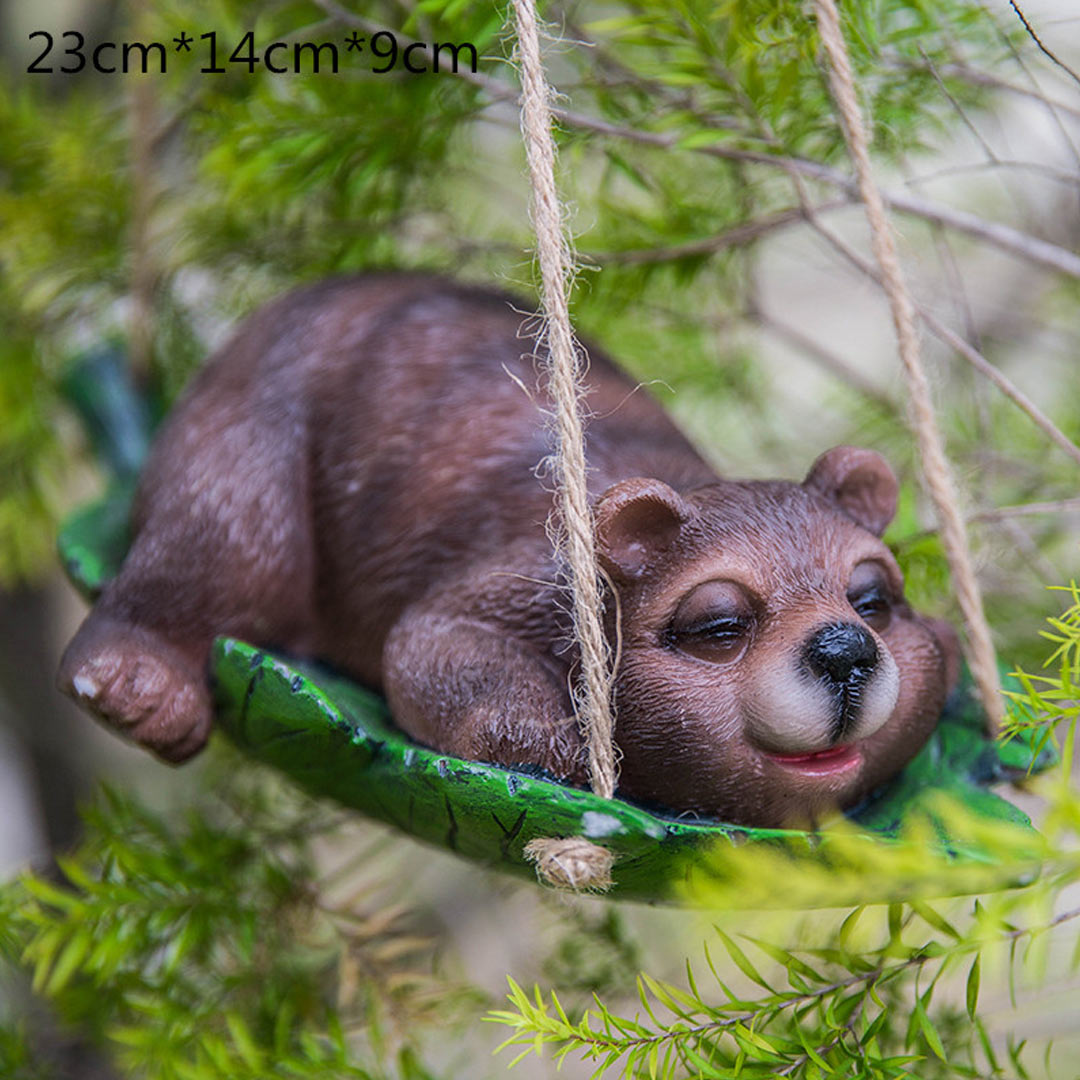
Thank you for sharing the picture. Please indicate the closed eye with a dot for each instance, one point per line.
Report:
(723, 626)
(874, 606)
(713, 622)
(718, 640)
(872, 595)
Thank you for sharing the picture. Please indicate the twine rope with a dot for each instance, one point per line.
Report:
(935, 467)
(570, 862)
(564, 370)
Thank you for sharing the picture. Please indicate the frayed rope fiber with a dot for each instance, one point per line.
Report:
(565, 384)
(935, 466)
(575, 863)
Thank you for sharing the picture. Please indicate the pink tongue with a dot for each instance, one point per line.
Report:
(819, 755)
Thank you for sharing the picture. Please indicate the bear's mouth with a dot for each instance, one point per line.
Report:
(834, 760)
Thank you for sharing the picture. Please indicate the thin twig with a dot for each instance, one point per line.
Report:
(1001, 381)
(1051, 105)
(967, 351)
(1028, 554)
(958, 108)
(1061, 176)
(738, 236)
(991, 81)
(1032, 509)
(827, 359)
(1005, 237)
(1039, 42)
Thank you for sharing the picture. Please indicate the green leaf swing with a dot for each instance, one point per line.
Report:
(336, 739)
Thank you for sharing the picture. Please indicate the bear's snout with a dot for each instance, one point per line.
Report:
(835, 683)
(843, 654)
(844, 657)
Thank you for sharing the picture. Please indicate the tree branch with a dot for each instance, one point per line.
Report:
(1001, 513)
(738, 236)
(968, 352)
(1040, 252)
(993, 82)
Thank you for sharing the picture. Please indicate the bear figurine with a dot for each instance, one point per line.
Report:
(354, 477)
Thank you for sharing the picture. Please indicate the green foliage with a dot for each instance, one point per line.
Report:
(863, 1002)
(747, 63)
(209, 948)
(30, 456)
(17, 1058)
(324, 173)
(263, 180)
(920, 554)
(1049, 703)
(206, 949)
(64, 216)
(61, 230)
(596, 955)
(317, 181)
(873, 991)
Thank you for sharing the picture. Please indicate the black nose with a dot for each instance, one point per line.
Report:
(843, 654)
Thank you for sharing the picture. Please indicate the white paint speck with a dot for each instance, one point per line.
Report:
(84, 686)
(597, 824)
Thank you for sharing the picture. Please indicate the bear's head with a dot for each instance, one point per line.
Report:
(770, 668)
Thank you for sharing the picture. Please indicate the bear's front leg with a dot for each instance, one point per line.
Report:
(471, 689)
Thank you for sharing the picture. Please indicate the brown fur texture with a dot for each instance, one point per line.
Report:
(354, 477)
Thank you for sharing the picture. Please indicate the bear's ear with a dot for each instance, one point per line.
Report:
(860, 482)
(635, 521)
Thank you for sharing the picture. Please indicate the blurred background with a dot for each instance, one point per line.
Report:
(156, 210)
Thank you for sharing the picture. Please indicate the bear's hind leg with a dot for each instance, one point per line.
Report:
(135, 681)
(222, 545)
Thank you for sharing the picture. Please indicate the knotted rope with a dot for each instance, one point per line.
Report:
(575, 862)
(935, 467)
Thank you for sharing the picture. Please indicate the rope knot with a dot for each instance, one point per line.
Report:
(572, 863)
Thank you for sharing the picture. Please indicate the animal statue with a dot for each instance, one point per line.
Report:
(354, 477)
